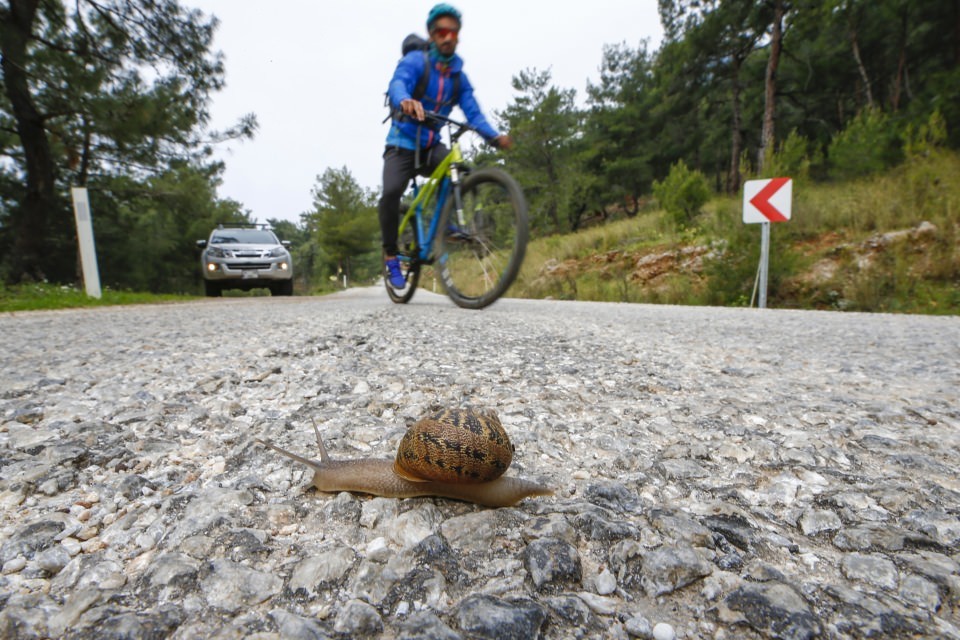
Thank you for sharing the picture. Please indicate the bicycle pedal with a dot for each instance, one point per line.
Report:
(456, 234)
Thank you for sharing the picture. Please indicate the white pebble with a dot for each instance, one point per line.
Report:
(72, 545)
(663, 631)
(14, 565)
(146, 541)
(606, 583)
(377, 550)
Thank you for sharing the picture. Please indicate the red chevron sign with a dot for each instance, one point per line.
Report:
(767, 200)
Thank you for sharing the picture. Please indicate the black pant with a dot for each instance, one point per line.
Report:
(399, 167)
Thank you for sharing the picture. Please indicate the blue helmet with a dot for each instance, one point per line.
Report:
(442, 9)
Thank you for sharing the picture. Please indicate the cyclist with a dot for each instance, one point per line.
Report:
(413, 145)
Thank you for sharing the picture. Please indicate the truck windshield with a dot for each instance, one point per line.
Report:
(243, 236)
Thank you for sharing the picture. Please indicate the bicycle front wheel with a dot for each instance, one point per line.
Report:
(482, 247)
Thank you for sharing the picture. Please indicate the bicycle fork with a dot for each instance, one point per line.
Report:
(457, 199)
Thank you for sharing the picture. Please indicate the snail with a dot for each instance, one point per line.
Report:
(452, 453)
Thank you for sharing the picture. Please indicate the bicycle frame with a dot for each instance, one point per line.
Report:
(439, 182)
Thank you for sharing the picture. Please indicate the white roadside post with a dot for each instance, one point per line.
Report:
(88, 250)
(766, 201)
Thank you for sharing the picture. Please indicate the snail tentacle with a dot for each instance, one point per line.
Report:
(324, 457)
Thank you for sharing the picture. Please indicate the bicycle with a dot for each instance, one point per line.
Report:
(483, 218)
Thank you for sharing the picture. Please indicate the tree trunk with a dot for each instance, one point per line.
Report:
(85, 156)
(736, 141)
(767, 138)
(855, 46)
(901, 69)
(553, 208)
(956, 33)
(30, 221)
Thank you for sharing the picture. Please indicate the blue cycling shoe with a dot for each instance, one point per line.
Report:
(394, 275)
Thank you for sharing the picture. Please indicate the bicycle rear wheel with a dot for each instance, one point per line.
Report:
(481, 253)
(409, 265)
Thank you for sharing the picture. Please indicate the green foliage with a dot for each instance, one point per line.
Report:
(921, 141)
(344, 226)
(682, 193)
(792, 159)
(118, 94)
(867, 145)
(618, 127)
(146, 230)
(546, 160)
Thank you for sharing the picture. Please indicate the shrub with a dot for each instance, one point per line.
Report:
(792, 159)
(682, 193)
(868, 145)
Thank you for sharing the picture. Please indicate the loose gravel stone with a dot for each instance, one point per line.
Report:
(296, 627)
(669, 568)
(816, 521)
(493, 618)
(873, 569)
(639, 627)
(425, 625)
(54, 559)
(552, 563)
(230, 586)
(358, 619)
(774, 609)
(718, 473)
(920, 592)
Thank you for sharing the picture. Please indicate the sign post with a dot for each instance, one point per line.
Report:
(766, 201)
(764, 264)
(88, 250)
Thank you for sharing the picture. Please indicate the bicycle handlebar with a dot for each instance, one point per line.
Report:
(433, 115)
(462, 127)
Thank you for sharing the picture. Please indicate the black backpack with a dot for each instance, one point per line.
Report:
(413, 42)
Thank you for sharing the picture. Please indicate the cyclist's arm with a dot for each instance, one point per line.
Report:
(400, 89)
(471, 109)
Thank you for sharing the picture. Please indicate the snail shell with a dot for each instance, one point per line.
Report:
(459, 446)
(379, 476)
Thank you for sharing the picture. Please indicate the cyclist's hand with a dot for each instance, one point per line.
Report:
(412, 108)
(503, 142)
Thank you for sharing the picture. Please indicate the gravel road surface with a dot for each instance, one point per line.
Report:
(718, 473)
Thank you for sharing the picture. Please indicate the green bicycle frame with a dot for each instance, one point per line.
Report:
(439, 182)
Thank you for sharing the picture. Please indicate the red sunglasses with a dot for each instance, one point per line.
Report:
(443, 32)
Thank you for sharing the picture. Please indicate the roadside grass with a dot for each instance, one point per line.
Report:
(44, 296)
(863, 234)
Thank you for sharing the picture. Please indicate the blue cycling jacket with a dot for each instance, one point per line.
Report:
(403, 133)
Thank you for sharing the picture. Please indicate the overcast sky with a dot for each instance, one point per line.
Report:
(314, 72)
